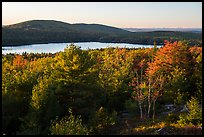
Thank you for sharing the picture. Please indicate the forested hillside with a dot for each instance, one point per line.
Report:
(87, 91)
(50, 31)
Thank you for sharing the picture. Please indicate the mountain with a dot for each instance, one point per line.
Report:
(51, 31)
(58, 26)
(48, 31)
(196, 30)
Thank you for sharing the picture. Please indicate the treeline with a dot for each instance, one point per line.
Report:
(84, 91)
(38, 31)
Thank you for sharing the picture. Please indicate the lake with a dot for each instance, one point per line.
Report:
(56, 47)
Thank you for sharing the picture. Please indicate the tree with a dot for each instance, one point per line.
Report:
(114, 66)
(162, 69)
(15, 94)
(196, 78)
(19, 62)
(139, 93)
(139, 80)
(157, 91)
(76, 77)
(166, 60)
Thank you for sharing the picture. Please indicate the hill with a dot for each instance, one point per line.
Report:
(195, 30)
(50, 31)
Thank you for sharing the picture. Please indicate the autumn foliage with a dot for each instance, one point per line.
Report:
(37, 89)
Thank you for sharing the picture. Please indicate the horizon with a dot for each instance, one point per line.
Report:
(117, 14)
(111, 26)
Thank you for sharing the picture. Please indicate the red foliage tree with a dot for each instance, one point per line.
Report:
(19, 61)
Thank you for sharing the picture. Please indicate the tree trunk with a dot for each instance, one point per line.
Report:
(140, 110)
(149, 101)
(144, 111)
(149, 107)
(153, 109)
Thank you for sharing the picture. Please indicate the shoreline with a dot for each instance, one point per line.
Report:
(19, 45)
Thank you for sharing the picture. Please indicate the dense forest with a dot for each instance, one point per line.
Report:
(50, 31)
(87, 91)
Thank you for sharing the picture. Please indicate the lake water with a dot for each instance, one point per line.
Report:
(56, 47)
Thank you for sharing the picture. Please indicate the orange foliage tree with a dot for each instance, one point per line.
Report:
(171, 56)
(19, 62)
(139, 80)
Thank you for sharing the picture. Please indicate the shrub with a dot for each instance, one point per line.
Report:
(102, 119)
(194, 116)
(171, 118)
(69, 126)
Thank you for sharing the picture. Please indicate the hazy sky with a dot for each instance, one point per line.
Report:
(118, 14)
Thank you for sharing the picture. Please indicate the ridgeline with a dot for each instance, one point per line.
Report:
(50, 31)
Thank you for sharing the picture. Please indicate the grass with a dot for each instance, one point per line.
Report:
(161, 127)
(135, 126)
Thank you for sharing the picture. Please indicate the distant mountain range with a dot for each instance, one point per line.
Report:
(196, 30)
(51, 31)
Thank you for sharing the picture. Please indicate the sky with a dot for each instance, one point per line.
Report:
(117, 14)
